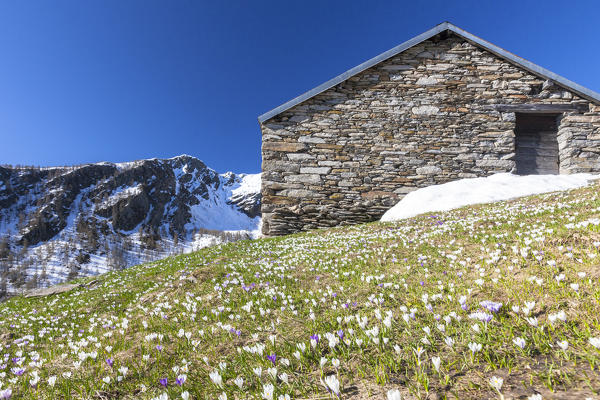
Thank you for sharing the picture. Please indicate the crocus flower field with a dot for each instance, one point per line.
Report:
(488, 301)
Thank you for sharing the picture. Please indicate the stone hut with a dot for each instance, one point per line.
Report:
(442, 106)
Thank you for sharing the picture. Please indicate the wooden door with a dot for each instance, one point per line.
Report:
(536, 144)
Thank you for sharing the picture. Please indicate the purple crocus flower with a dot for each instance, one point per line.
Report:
(315, 337)
(272, 358)
(163, 382)
(159, 347)
(178, 381)
(491, 306)
(340, 333)
(110, 362)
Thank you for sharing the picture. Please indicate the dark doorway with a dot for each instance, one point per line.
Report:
(536, 144)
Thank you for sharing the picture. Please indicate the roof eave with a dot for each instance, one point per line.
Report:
(351, 72)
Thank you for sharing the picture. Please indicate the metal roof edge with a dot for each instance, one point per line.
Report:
(584, 92)
(535, 69)
(351, 72)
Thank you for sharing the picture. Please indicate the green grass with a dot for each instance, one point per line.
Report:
(384, 299)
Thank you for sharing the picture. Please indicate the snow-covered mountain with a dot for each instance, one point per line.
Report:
(59, 223)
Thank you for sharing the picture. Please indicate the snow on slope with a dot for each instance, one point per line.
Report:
(216, 213)
(250, 184)
(496, 187)
(105, 216)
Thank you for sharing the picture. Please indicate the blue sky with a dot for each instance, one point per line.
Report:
(118, 80)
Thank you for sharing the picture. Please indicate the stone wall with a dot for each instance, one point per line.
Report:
(423, 117)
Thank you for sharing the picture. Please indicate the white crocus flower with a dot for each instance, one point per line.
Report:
(284, 378)
(574, 286)
(496, 382)
(436, 361)
(239, 381)
(332, 383)
(268, 391)
(393, 394)
(563, 345)
(519, 342)
(475, 347)
(449, 341)
(216, 378)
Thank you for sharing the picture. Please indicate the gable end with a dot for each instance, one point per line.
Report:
(535, 69)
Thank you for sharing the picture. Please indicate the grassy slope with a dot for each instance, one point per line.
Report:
(390, 292)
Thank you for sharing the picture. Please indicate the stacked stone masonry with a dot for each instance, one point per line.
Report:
(425, 116)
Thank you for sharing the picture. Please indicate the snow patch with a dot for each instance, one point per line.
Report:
(496, 187)
(250, 184)
(217, 214)
(122, 192)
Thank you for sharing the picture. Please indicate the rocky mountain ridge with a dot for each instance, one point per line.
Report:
(57, 223)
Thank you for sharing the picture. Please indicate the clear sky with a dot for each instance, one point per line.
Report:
(117, 80)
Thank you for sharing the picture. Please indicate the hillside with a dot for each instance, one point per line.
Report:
(61, 223)
(500, 298)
